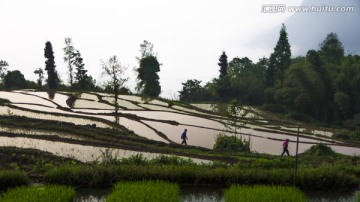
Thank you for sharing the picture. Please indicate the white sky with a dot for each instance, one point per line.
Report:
(188, 35)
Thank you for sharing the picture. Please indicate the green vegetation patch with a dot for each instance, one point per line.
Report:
(331, 177)
(231, 144)
(263, 193)
(39, 194)
(320, 150)
(12, 178)
(144, 191)
(3, 101)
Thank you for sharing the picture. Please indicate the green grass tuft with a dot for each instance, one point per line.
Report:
(39, 194)
(149, 191)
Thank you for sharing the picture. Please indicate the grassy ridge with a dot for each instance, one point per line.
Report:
(238, 193)
(149, 191)
(39, 194)
(321, 178)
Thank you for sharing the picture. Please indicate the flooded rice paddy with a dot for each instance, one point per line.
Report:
(150, 118)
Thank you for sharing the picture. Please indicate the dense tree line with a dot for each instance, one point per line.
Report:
(322, 85)
(148, 78)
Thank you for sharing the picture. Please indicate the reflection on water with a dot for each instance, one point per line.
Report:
(189, 193)
(60, 118)
(76, 151)
(91, 195)
(25, 131)
(201, 194)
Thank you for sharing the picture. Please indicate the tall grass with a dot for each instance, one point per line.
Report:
(149, 191)
(12, 178)
(39, 194)
(238, 193)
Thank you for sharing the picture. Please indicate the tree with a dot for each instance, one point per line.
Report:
(148, 78)
(331, 49)
(69, 53)
(236, 112)
(191, 91)
(53, 79)
(80, 74)
(146, 49)
(3, 65)
(148, 71)
(270, 72)
(282, 56)
(246, 80)
(14, 80)
(40, 73)
(113, 69)
(223, 63)
(347, 84)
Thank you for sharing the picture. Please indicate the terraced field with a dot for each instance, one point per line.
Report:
(150, 121)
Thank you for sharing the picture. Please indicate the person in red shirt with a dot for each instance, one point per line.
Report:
(285, 147)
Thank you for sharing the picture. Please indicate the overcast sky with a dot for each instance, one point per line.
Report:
(188, 35)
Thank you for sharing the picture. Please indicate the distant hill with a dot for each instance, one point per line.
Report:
(308, 29)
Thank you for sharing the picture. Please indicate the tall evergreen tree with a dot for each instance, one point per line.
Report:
(80, 74)
(270, 72)
(69, 53)
(282, 56)
(53, 79)
(331, 49)
(148, 70)
(148, 76)
(223, 63)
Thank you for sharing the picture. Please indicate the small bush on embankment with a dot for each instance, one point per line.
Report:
(226, 143)
(12, 178)
(320, 178)
(238, 193)
(320, 150)
(39, 194)
(150, 191)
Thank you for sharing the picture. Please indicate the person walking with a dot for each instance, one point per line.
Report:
(285, 147)
(184, 137)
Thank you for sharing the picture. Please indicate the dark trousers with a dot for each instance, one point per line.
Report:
(285, 150)
(184, 141)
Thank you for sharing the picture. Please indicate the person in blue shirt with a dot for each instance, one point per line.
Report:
(184, 137)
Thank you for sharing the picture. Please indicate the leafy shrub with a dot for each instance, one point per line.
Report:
(263, 193)
(231, 144)
(150, 191)
(171, 160)
(137, 159)
(39, 194)
(320, 150)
